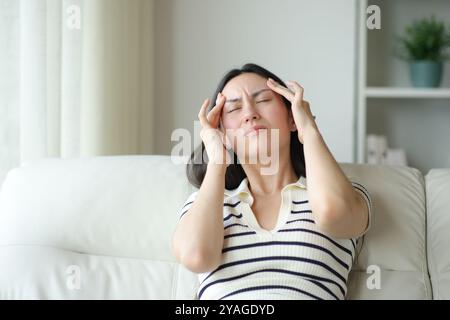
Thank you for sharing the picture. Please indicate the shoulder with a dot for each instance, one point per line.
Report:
(187, 204)
(365, 201)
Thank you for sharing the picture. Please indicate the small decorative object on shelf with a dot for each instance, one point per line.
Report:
(376, 149)
(424, 47)
(379, 153)
(396, 157)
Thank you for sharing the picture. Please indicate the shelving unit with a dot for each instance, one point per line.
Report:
(384, 93)
(387, 92)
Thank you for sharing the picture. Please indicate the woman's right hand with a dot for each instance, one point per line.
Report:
(214, 140)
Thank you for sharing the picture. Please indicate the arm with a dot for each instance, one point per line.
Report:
(338, 208)
(198, 239)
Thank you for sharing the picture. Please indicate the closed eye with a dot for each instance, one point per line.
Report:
(238, 107)
(234, 109)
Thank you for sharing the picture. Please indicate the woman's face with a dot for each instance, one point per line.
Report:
(253, 114)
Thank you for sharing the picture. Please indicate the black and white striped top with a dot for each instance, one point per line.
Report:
(295, 260)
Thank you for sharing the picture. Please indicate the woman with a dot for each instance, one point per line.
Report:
(256, 235)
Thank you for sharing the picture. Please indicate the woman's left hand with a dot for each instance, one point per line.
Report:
(301, 111)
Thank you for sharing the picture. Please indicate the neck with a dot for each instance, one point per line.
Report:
(267, 185)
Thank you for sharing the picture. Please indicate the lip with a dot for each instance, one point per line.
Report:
(255, 129)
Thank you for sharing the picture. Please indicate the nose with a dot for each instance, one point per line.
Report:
(250, 112)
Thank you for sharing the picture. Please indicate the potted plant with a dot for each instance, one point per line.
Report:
(424, 47)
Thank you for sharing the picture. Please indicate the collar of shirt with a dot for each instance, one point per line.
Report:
(244, 194)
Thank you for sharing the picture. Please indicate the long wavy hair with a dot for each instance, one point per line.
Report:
(197, 165)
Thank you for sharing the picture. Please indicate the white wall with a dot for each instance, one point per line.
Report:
(312, 42)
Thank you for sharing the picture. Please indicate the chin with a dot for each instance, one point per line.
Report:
(257, 154)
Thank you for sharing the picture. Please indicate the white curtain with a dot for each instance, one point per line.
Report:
(76, 79)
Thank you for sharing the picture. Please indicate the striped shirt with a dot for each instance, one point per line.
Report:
(295, 260)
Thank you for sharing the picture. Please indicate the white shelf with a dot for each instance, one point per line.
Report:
(390, 92)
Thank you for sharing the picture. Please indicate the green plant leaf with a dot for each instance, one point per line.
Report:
(425, 39)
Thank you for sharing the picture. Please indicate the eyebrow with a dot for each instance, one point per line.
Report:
(254, 94)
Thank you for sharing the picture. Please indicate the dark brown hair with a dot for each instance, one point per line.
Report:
(196, 167)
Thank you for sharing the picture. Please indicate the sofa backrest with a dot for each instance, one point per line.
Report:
(109, 221)
(395, 246)
(438, 231)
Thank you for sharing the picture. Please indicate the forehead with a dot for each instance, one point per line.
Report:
(246, 82)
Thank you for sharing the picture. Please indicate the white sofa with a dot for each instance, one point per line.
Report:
(101, 228)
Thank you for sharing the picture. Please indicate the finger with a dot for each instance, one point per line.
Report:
(278, 88)
(307, 107)
(202, 115)
(298, 89)
(214, 114)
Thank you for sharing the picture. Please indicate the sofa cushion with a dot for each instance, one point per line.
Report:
(42, 272)
(438, 230)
